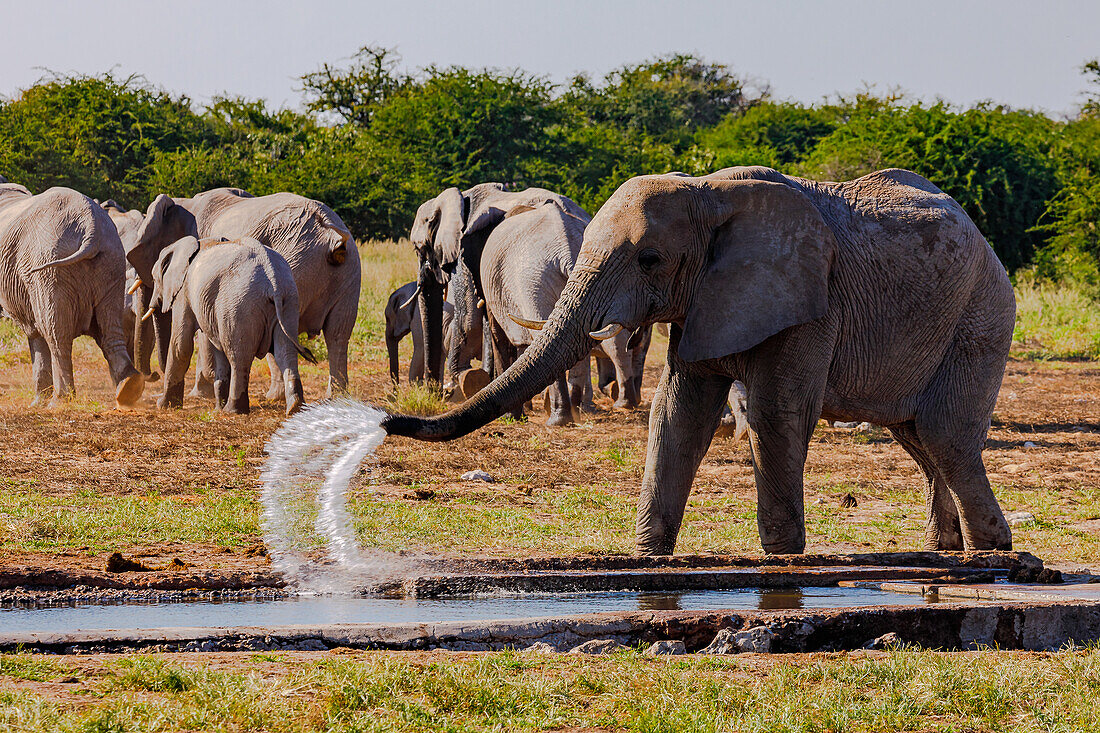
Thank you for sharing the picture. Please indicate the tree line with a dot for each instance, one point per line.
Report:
(374, 140)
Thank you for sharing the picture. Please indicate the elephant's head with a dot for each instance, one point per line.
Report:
(729, 262)
(437, 233)
(170, 272)
(165, 222)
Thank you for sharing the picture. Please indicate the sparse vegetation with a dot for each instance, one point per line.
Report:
(897, 690)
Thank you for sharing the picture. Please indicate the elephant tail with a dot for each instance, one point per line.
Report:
(280, 316)
(88, 249)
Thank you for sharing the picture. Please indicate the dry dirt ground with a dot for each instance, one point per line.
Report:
(82, 480)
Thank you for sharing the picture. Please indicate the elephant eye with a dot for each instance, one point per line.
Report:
(648, 260)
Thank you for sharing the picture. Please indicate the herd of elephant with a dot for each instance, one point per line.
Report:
(874, 300)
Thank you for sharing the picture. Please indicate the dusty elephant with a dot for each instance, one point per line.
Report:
(517, 249)
(314, 241)
(62, 271)
(402, 314)
(137, 332)
(876, 299)
(242, 296)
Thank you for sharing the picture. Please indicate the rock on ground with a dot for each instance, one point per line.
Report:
(660, 648)
(541, 647)
(889, 640)
(597, 646)
(727, 641)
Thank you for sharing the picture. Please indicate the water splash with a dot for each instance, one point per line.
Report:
(312, 459)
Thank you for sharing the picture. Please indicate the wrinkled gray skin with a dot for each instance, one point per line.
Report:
(466, 338)
(518, 249)
(314, 241)
(62, 272)
(127, 223)
(875, 299)
(402, 321)
(242, 296)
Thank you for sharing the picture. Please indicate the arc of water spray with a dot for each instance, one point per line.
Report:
(325, 442)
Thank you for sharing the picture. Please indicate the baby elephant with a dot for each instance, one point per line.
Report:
(242, 296)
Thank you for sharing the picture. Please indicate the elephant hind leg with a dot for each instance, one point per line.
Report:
(276, 389)
(222, 375)
(41, 368)
(951, 425)
(239, 365)
(61, 359)
(204, 369)
(943, 531)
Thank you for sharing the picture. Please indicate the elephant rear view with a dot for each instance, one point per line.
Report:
(62, 274)
(242, 296)
(310, 236)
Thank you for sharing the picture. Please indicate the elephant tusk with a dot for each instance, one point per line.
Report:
(480, 303)
(533, 325)
(606, 332)
(408, 302)
(134, 288)
(148, 314)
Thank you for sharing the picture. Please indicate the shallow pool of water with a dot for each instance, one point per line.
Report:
(318, 610)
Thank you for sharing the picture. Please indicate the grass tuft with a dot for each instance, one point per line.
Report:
(418, 398)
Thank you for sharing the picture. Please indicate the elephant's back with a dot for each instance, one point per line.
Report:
(911, 271)
(526, 263)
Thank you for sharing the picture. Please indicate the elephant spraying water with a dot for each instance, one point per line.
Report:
(875, 299)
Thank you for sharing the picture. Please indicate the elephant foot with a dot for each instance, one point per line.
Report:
(152, 377)
(172, 397)
(625, 404)
(41, 399)
(559, 420)
(129, 390)
(237, 405)
(589, 408)
(203, 390)
(793, 546)
(275, 393)
(294, 405)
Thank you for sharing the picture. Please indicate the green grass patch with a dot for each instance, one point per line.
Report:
(1056, 321)
(900, 690)
(45, 522)
(417, 398)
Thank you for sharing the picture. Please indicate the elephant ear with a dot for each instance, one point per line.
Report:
(487, 203)
(767, 269)
(171, 271)
(446, 226)
(165, 222)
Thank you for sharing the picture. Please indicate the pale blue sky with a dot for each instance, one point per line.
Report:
(1024, 53)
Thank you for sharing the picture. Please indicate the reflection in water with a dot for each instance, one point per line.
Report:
(780, 599)
(659, 601)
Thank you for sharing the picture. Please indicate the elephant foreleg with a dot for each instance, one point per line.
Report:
(41, 368)
(181, 348)
(682, 420)
(561, 409)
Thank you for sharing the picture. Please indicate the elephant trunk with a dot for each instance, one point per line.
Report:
(562, 343)
(431, 321)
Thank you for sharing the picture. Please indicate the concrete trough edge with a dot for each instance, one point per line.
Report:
(949, 626)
